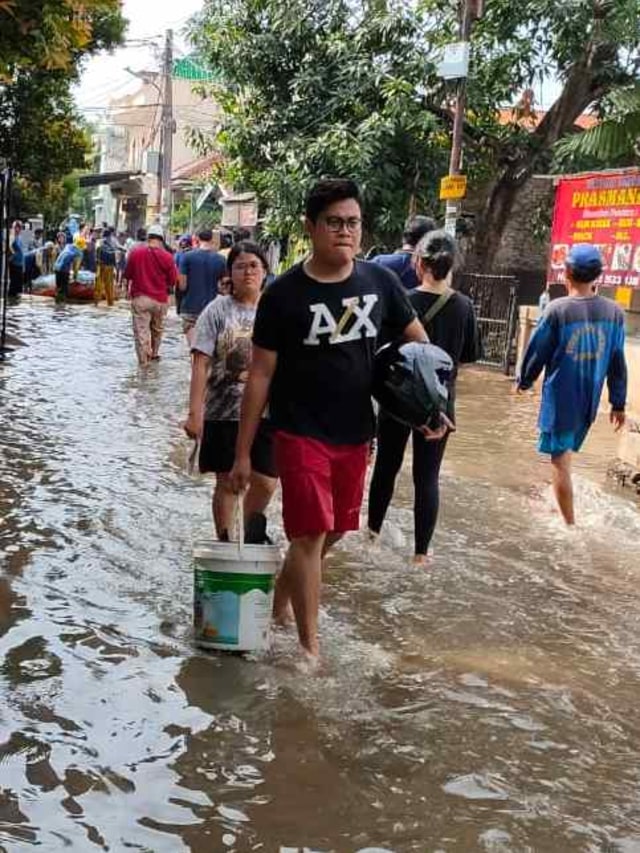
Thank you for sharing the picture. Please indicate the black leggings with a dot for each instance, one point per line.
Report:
(427, 459)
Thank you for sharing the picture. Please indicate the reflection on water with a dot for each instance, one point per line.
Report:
(489, 704)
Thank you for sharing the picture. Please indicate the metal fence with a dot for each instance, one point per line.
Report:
(495, 298)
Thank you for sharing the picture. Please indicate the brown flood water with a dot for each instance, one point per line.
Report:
(490, 704)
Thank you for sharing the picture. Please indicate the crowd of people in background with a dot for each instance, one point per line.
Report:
(101, 251)
(147, 270)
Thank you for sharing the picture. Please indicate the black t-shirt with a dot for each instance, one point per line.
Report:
(326, 335)
(454, 329)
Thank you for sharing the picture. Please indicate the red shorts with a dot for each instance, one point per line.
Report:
(322, 484)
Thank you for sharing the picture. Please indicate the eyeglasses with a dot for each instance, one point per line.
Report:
(252, 266)
(337, 224)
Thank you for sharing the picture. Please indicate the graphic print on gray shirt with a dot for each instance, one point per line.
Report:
(223, 332)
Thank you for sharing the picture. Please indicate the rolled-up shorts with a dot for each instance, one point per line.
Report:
(322, 484)
(557, 443)
(218, 448)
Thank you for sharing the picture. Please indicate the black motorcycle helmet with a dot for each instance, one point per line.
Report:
(410, 382)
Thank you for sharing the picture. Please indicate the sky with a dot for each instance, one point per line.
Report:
(105, 76)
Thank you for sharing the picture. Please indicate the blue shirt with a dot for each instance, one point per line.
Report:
(401, 263)
(16, 258)
(67, 256)
(203, 270)
(579, 342)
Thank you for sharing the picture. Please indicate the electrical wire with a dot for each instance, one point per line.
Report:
(133, 107)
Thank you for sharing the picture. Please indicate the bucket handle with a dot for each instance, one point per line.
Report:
(240, 522)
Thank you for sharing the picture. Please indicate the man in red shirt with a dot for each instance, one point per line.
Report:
(151, 273)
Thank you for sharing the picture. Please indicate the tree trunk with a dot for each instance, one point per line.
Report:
(581, 89)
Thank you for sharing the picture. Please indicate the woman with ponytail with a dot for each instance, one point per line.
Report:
(449, 320)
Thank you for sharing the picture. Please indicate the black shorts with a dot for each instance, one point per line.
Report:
(218, 448)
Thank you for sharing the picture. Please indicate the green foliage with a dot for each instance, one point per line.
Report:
(52, 198)
(55, 34)
(42, 136)
(615, 140)
(185, 220)
(318, 88)
(349, 87)
(81, 198)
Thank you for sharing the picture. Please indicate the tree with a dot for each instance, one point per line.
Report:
(52, 199)
(590, 46)
(349, 86)
(322, 87)
(185, 219)
(615, 140)
(54, 34)
(41, 135)
(42, 44)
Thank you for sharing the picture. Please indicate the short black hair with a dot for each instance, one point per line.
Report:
(226, 239)
(328, 191)
(416, 227)
(206, 235)
(585, 273)
(250, 248)
(141, 234)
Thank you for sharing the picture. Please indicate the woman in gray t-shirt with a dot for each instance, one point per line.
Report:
(221, 355)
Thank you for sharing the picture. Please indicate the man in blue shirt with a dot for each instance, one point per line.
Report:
(16, 260)
(579, 342)
(402, 261)
(63, 265)
(200, 271)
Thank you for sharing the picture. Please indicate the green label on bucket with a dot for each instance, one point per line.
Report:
(232, 610)
(208, 581)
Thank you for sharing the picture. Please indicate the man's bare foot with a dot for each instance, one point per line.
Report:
(309, 663)
(422, 561)
(285, 617)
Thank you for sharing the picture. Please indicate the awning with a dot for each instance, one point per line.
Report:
(100, 179)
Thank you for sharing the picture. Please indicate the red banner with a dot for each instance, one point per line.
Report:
(601, 208)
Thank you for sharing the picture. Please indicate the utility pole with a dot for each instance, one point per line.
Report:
(168, 129)
(470, 9)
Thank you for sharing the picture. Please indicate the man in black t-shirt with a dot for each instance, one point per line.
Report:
(314, 341)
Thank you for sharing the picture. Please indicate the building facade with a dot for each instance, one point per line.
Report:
(130, 143)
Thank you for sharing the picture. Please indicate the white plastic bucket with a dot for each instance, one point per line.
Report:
(233, 594)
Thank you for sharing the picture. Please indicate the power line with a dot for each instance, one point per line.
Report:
(114, 108)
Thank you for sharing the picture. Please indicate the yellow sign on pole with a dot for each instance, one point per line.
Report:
(453, 187)
(624, 295)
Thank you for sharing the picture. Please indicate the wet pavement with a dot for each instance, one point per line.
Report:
(489, 704)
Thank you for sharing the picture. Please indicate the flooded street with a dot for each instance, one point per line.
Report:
(487, 705)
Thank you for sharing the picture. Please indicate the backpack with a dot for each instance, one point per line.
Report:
(107, 254)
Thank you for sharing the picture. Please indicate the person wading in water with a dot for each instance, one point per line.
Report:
(314, 339)
(449, 320)
(579, 342)
(221, 354)
(151, 273)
